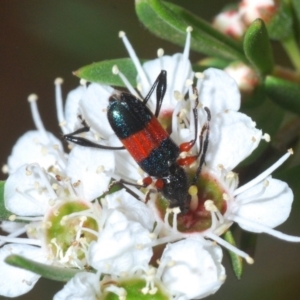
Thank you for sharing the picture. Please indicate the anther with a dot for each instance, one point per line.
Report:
(266, 137)
(160, 52)
(178, 96)
(199, 75)
(5, 169)
(121, 34)
(189, 82)
(58, 81)
(115, 70)
(249, 260)
(32, 98)
(83, 82)
(189, 29)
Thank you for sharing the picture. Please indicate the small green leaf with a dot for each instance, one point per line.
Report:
(4, 213)
(50, 272)
(280, 26)
(237, 261)
(101, 72)
(170, 21)
(257, 47)
(284, 93)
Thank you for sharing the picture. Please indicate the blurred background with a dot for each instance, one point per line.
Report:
(41, 40)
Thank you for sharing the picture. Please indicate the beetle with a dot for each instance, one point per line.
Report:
(149, 143)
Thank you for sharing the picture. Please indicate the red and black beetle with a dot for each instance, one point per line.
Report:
(149, 143)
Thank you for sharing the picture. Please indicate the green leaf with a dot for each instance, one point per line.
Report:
(50, 272)
(284, 93)
(170, 21)
(296, 10)
(237, 261)
(257, 47)
(280, 26)
(4, 213)
(101, 72)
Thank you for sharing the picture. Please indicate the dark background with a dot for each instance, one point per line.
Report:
(41, 40)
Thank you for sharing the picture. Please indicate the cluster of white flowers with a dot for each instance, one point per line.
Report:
(234, 22)
(72, 222)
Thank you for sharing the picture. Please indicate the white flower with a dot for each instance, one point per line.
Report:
(43, 180)
(193, 268)
(83, 285)
(244, 76)
(123, 243)
(233, 136)
(230, 23)
(253, 9)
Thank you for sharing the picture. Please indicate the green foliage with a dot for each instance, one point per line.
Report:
(4, 213)
(101, 72)
(170, 21)
(257, 47)
(50, 272)
(284, 93)
(237, 261)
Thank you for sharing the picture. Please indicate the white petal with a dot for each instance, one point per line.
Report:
(177, 74)
(94, 107)
(87, 166)
(10, 227)
(31, 147)
(83, 285)
(270, 208)
(119, 246)
(219, 91)
(26, 195)
(15, 281)
(197, 271)
(232, 138)
(133, 209)
(71, 107)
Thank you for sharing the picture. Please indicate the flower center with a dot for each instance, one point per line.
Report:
(70, 229)
(198, 218)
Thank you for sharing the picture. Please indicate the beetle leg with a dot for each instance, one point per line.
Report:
(161, 86)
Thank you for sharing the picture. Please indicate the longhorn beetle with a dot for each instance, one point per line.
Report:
(150, 145)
